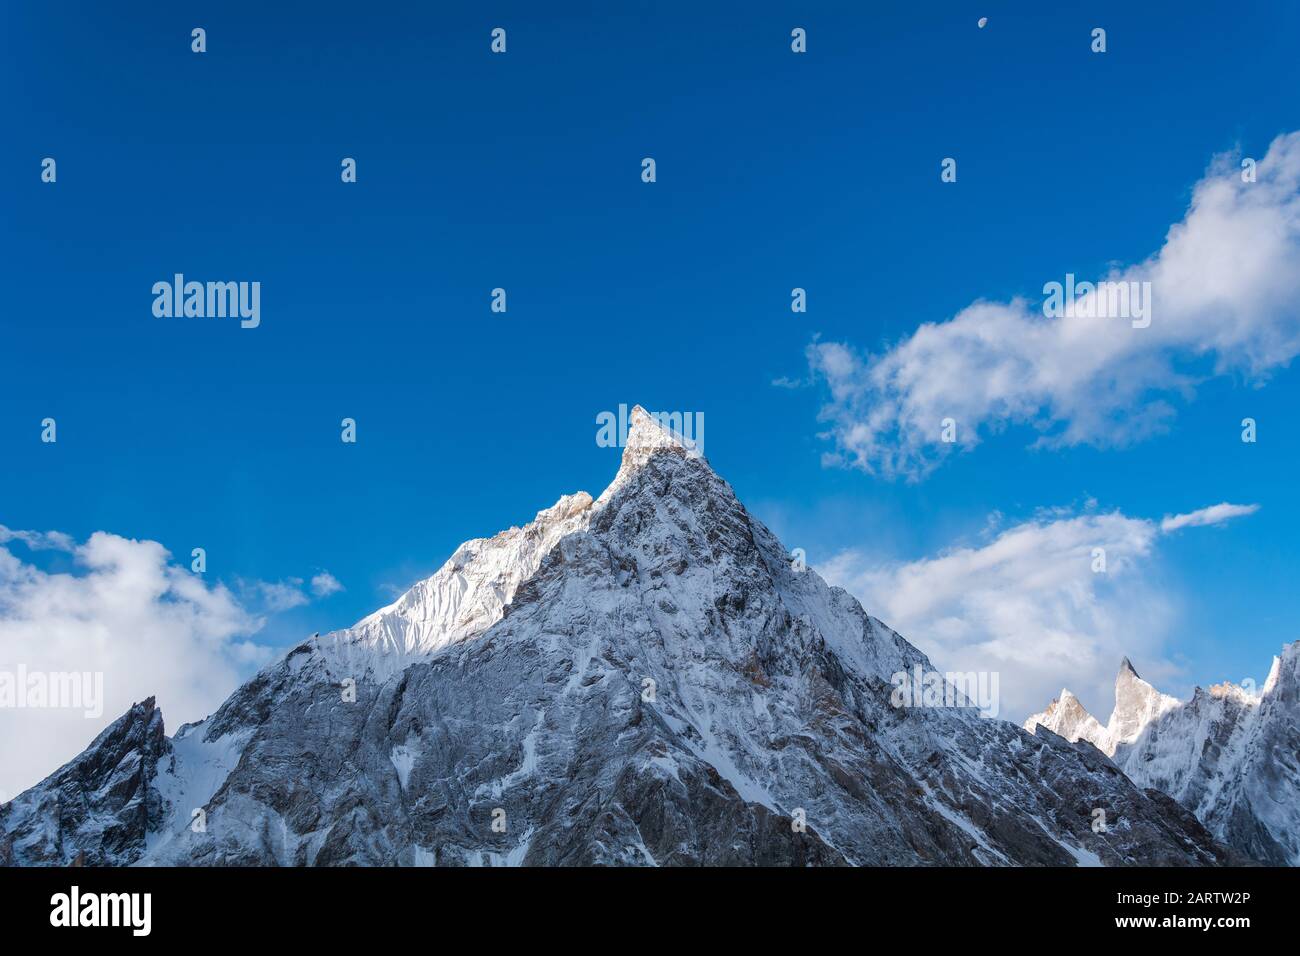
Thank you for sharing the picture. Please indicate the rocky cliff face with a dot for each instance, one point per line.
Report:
(642, 679)
(1230, 756)
(100, 806)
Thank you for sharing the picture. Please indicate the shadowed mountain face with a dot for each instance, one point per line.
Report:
(1229, 755)
(642, 679)
(103, 802)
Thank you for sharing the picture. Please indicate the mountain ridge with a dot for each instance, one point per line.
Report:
(1229, 755)
(645, 678)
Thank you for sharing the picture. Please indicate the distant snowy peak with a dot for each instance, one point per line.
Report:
(1137, 704)
(1067, 717)
(1229, 755)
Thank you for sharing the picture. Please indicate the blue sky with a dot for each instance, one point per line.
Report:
(522, 171)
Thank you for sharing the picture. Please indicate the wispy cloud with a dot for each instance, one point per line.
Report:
(275, 597)
(791, 383)
(1225, 294)
(278, 596)
(1026, 603)
(1215, 514)
(38, 540)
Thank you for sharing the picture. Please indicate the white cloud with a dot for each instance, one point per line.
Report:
(325, 584)
(1215, 514)
(1225, 299)
(277, 596)
(1027, 604)
(128, 612)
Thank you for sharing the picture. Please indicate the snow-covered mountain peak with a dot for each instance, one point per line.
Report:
(470, 592)
(647, 435)
(1137, 703)
(83, 804)
(1227, 754)
(1067, 717)
(647, 679)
